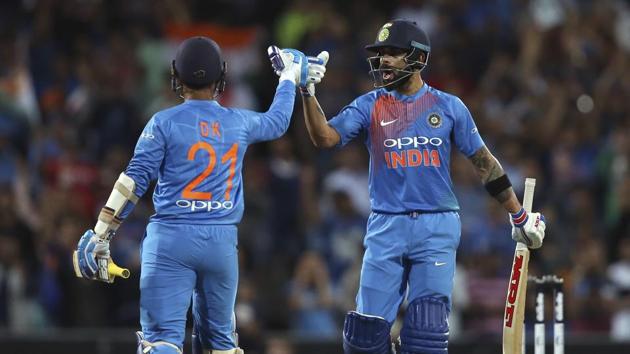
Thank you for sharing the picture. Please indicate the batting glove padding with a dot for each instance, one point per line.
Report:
(86, 264)
(528, 228)
(289, 64)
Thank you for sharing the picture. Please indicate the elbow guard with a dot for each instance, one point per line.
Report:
(109, 218)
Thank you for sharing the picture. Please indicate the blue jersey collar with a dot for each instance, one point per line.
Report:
(401, 97)
(200, 102)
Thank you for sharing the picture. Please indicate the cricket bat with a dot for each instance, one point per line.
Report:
(514, 316)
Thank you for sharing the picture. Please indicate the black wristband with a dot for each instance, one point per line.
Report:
(498, 185)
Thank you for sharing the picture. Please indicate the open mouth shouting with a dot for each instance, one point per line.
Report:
(388, 75)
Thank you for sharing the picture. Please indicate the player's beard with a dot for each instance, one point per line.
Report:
(390, 78)
(394, 78)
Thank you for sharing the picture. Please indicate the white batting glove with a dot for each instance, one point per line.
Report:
(289, 64)
(528, 228)
(316, 72)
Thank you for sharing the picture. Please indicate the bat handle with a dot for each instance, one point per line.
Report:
(521, 246)
(117, 271)
(528, 196)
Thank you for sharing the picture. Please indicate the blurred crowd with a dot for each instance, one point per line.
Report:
(547, 81)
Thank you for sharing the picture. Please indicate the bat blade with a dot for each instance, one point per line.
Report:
(514, 314)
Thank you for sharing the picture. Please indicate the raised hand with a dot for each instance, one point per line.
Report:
(316, 72)
(289, 64)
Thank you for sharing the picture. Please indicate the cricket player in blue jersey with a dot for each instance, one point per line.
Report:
(409, 129)
(195, 151)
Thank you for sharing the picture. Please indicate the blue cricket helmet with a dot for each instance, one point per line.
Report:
(401, 34)
(405, 35)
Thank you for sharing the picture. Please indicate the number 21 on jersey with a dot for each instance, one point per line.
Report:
(229, 157)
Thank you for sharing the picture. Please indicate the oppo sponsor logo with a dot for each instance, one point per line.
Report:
(412, 141)
(204, 205)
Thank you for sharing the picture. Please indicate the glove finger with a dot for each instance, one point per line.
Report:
(315, 60)
(316, 67)
(318, 76)
(83, 241)
(313, 80)
(324, 56)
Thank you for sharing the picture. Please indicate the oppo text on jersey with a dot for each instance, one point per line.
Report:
(415, 141)
(204, 205)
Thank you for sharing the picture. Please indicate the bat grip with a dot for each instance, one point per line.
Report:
(115, 270)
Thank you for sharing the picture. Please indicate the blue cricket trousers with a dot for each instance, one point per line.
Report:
(180, 261)
(407, 252)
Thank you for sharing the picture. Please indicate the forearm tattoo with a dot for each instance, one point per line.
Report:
(489, 169)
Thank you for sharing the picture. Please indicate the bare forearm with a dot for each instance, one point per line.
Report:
(489, 169)
(321, 134)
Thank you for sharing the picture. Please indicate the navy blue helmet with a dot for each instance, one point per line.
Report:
(198, 64)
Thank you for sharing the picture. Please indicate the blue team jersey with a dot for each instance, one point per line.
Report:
(195, 151)
(409, 139)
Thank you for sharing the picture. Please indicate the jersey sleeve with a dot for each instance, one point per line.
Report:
(275, 122)
(147, 156)
(352, 120)
(465, 133)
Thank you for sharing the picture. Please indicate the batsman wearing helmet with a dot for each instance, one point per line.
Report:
(409, 129)
(195, 152)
